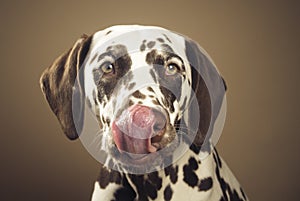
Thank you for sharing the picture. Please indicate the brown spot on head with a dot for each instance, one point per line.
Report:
(151, 56)
(138, 94)
(130, 87)
(150, 89)
(155, 102)
(167, 48)
(130, 103)
(168, 39)
(142, 47)
(151, 44)
(108, 32)
(160, 40)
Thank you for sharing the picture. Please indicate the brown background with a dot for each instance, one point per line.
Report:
(255, 46)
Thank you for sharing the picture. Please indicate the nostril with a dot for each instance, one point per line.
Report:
(158, 126)
(160, 121)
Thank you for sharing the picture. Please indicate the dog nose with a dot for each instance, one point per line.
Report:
(149, 118)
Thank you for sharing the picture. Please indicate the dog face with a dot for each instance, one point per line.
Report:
(149, 89)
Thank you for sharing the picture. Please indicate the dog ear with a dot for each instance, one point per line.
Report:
(59, 87)
(209, 91)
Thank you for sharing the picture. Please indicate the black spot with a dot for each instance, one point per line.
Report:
(155, 102)
(138, 94)
(130, 103)
(234, 195)
(160, 40)
(189, 175)
(108, 32)
(196, 149)
(172, 172)
(167, 48)
(142, 47)
(205, 184)
(168, 193)
(155, 179)
(193, 163)
(217, 158)
(131, 86)
(151, 56)
(150, 190)
(222, 182)
(108, 176)
(226, 189)
(222, 199)
(139, 182)
(150, 89)
(167, 38)
(150, 44)
(125, 193)
(243, 193)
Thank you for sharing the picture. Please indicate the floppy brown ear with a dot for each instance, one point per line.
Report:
(58, 85)
(209, 90)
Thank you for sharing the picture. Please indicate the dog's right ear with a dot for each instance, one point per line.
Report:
(59, 87)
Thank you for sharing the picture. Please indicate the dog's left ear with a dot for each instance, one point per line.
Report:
(209, 91)
(61, 82)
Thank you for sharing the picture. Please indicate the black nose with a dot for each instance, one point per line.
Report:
(160, 120)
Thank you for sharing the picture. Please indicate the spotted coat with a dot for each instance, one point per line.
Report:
(158, 72)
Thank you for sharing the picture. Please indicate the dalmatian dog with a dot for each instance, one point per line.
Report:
(157, 100)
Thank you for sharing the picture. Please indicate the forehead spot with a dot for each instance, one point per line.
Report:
(130, 103)
(131, 86)
(150, 89)
(138, 94)
(150, 57)
(150, 44)
(160, 40)
(143, 47)
(108, 32)
(155, 102)
(168, 39)
(167, 48)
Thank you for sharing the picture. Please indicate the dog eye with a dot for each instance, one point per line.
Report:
(172, 69)
(107, 67)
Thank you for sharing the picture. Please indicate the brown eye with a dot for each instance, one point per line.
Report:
(107, 67)
(172, 69)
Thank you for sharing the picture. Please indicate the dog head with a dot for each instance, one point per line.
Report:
(150, 91)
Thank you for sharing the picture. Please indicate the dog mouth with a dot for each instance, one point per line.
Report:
(138, 131)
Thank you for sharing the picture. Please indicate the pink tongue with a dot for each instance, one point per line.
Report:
(133, 130)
